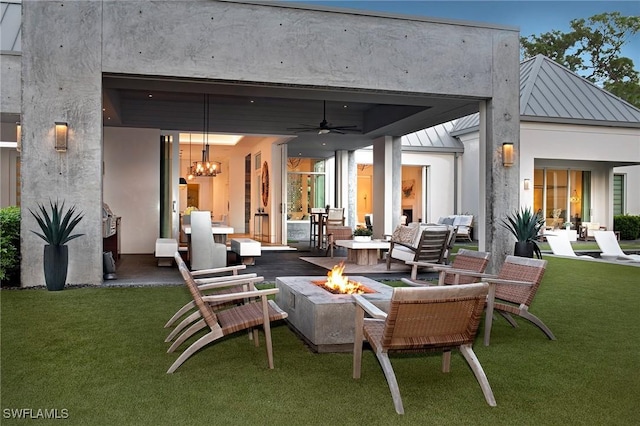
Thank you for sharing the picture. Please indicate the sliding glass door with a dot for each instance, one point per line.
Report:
(562, 196)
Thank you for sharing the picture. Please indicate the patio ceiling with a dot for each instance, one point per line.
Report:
(260, 110)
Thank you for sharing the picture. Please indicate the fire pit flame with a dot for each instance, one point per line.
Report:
(337, 283)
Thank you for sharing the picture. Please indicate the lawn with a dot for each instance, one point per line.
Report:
(98, 356)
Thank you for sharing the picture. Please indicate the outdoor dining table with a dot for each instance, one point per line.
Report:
(363, 252)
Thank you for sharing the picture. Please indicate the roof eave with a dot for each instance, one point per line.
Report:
(465, 131)
(584, 121)
(438, 149)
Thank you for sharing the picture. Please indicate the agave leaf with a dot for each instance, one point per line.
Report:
(525, 226)
(57, 227)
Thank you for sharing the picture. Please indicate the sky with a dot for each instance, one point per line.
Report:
(531, 17)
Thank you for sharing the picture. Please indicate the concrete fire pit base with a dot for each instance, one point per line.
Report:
(324, 320)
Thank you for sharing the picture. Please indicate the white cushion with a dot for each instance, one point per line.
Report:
(166, 247)
(402, 253)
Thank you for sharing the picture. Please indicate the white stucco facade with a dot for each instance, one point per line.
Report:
(597, 149)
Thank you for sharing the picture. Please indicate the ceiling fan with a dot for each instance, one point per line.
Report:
(324, 127)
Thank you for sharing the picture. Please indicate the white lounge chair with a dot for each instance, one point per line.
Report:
(561, 246)
(610, 248)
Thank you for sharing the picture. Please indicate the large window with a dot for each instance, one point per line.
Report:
(562, 196)
(305, 186)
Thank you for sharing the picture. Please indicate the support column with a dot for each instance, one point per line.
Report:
(387, 183)
(499, 123)
(59, 37)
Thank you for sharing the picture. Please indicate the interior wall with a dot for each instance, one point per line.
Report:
(441, 184)
(131, 185)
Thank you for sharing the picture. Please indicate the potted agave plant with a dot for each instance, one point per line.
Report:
(525, 226)
(57, 226)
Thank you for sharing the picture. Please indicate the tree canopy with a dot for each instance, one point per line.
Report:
(593, 49)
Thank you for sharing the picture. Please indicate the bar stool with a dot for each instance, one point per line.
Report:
(313, 229)
(317, 221)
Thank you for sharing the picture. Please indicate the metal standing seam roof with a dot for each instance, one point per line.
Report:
(433, 139)
(10, 26)
(552, 93)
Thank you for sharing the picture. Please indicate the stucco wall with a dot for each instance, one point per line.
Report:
(592, 148)
(633, 188)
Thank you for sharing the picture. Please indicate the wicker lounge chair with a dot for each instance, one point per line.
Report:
(471, 260)
(423, 320)
(225, 322)
(220, 285)
(512, 291)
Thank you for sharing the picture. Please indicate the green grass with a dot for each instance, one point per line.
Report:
(100, 354)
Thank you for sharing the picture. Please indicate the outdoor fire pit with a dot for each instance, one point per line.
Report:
(323, 319)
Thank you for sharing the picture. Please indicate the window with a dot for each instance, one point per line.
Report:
(562, 196)
(305, 186)
(618, 194)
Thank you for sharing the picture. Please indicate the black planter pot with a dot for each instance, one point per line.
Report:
(56, 261)
(524, 249)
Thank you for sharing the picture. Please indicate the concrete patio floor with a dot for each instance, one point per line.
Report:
(142, 269)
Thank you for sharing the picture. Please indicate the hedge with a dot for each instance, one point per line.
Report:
(628, 226)
(10, 245)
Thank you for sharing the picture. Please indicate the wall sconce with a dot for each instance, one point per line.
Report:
(62, 133)
(507, 154)
(527, 183)
(18, 136)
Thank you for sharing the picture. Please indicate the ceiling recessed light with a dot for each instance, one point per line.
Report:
(251, 101)
(150, 95)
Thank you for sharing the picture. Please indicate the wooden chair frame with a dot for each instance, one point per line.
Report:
(433, 247)
(512, 291)
(423, 320)
(243, 317)
(476, 261)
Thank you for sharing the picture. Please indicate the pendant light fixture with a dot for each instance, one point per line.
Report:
(206, 168)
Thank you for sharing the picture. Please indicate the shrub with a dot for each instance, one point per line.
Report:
(628, 226)
(362, 232)
(10, 245)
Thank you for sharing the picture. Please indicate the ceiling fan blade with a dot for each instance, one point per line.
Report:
(324, 126)
(303, 128)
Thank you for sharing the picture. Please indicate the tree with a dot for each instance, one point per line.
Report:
(593, 50)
